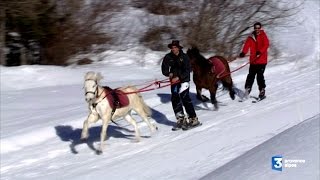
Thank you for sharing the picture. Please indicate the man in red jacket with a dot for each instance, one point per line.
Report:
(258, 44)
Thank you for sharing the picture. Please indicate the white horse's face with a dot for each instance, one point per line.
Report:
(91, 90)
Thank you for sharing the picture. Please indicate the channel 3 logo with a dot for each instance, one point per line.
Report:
(276, 163)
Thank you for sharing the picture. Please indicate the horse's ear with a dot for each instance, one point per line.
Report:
(196, 50)
(88, 75)
(99, 76)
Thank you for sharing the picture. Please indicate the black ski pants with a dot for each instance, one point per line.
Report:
(256, 69)
(180, 100)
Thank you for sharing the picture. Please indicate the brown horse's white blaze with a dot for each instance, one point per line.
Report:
(99, 108)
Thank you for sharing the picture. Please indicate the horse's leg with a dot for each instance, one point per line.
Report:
(144, 111)
(197, 82)
(213, 91)
(105, 123)
(201, 97)
(144, 116)
(199, 91)
(129, 118)
(227, 82)
(92, 118)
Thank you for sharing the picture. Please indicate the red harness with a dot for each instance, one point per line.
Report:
(217, 67)
(114, 95)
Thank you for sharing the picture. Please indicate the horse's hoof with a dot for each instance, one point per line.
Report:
(98, 152)
(232, 95)
(215, 107)
(203, 98)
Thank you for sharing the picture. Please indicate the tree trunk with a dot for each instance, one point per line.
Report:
(2, 35)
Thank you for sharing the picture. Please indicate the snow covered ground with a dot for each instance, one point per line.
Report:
(43, 108)
(300, 142)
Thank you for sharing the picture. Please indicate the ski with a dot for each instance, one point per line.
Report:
(244, 99)
(176, 128)
(185, 128)
(257, 99)
(191, 127)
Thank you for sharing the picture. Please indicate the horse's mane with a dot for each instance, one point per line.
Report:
(200, 60)
(93, 76)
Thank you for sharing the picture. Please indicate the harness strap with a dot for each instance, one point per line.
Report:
(112, 112)
(114, 95)
(116, 102)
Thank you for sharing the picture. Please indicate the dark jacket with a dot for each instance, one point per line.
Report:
(178, 65)
(257, 43)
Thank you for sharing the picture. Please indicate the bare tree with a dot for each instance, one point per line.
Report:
(63, 28)
(81, 25)
(222, 25)
(2, 34)
(14, 8)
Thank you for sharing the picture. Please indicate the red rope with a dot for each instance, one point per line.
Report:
(233, 70)
(236, 69)
(157, 85)
(167, 82)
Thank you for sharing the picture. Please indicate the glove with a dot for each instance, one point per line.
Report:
(175, 79)
(171, 75)
(258, 53)
(241, 55)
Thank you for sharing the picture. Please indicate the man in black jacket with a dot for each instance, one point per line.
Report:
(176, 66)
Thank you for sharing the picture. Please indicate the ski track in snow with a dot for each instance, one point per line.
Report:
(228, 118)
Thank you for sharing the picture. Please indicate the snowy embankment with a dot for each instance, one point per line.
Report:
(300, 142)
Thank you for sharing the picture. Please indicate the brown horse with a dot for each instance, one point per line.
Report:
(205, 77)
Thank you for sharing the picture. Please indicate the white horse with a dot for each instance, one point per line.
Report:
(100, 108)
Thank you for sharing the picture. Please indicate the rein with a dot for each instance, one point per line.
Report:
(238, 68)
(157, 85)
(100, 99)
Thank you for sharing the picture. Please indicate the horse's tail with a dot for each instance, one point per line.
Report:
(226, 78)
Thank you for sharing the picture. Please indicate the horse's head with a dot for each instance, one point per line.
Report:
(193, 52)
(197, 60)
(91, 81)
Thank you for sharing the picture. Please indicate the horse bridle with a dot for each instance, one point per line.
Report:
(93, 92)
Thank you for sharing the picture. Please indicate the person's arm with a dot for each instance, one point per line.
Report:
(265, 44)
(246, 46)
(165, 67)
